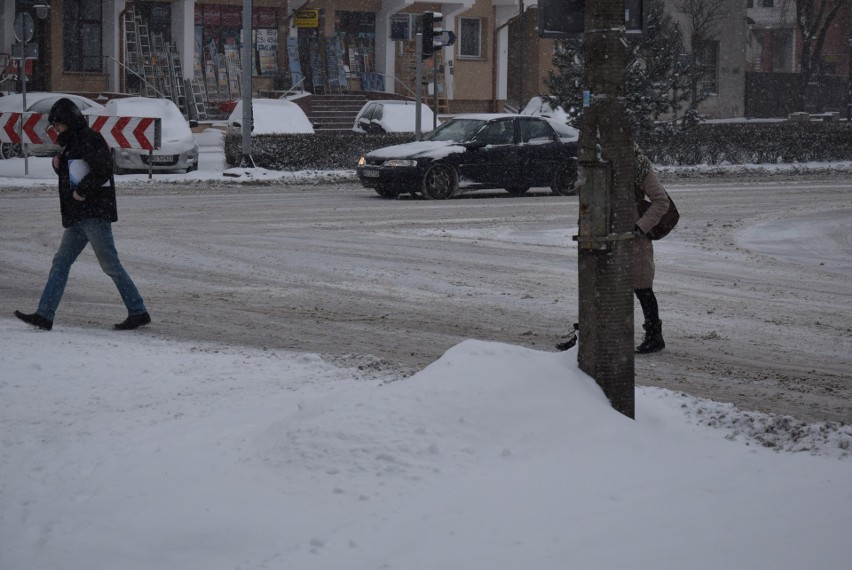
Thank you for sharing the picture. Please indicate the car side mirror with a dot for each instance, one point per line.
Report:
(193, 123)
(474, 145)
(237, 125)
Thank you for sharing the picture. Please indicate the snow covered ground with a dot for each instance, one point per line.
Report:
(132, 452)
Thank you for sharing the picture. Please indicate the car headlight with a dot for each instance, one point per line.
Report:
(400, 162)
(362, 161)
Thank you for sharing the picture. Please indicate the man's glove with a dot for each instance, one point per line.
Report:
(637, 231)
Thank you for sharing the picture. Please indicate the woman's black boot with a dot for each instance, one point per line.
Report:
(653, 338)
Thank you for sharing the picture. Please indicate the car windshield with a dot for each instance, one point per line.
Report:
(457, 130)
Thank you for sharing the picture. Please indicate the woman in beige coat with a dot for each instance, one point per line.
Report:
(645, 184)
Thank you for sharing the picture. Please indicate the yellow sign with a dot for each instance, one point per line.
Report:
(307, 19)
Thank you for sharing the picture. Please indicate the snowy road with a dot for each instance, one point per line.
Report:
(755, 285)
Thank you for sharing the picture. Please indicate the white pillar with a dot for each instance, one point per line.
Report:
(385, 47)
(501, 55)
(183, 34)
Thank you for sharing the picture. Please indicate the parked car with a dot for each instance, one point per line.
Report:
(540, 107)
(393, 116)
(513, 152)
(271, 116)
(178, 150)
(41, 102)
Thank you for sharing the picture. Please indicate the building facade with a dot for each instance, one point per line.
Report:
(98, 47)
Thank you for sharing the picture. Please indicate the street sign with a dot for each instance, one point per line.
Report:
(129, 132)
(307, 19)
(119, 132)
(24, 27)
(443, 38)
(32, 51)
(562, 19)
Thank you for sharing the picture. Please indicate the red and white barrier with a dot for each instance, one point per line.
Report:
(119, 132)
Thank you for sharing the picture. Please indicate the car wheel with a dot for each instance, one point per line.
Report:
(564, 181)
(440, 182)
(9, 150)
(517, 190)
(386, 192)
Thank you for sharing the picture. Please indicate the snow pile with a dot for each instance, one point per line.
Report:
(133, 452)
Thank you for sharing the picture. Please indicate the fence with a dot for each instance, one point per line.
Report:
(777, 94)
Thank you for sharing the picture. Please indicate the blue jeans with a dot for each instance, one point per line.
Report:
(97, 232)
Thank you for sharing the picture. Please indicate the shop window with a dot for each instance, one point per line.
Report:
(218, 35)
(158, 17)
(470, 43)
(357, 34)
(354, 46)
(82, 29)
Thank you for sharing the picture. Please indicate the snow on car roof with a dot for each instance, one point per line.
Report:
(142, 107)
(400, 118)
(14, 101)
(274, 116)
(485, 116)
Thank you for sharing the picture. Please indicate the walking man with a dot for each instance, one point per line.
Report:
(88, 207)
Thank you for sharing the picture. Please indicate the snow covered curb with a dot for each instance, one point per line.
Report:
(318, 177)
(773, 431)
(734, 170)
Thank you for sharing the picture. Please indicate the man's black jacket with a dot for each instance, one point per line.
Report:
(80, 142)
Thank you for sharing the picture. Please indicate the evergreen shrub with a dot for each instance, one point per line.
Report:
(706, 143)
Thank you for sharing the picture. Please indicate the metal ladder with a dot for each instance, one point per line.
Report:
(195, 89)
(148, 71)
(175, 79)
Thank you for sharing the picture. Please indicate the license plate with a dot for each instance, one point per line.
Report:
(371, 173)
(162, 159)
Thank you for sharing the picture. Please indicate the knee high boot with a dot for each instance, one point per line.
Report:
(653, 341)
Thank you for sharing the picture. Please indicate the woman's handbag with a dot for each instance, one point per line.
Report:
(666, 224)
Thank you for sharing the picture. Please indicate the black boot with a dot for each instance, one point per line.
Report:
(133, 322)
(36, 320)
(653, 338)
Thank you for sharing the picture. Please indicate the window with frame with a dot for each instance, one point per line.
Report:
(498, 132)
(749, 3)
(768, 3)
(83, 30)
(535, 131)
(707, 61)
(470, 38)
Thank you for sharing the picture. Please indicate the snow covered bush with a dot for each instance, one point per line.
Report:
(329, 150)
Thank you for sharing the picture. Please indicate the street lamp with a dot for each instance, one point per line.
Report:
(24, 30)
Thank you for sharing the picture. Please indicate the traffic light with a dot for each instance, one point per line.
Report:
(430, 32)
(560, 19)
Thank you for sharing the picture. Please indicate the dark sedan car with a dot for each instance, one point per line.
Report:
(514, 152)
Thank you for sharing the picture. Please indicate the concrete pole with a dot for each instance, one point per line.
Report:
(605, 253)
(418, 85)
(247, 161)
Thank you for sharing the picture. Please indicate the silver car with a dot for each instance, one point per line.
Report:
(178, 150)
(41, 102)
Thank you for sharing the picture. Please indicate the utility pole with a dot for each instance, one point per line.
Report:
(418, 85)
(246, 88)
(607, 204)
